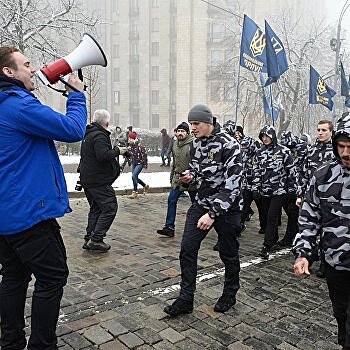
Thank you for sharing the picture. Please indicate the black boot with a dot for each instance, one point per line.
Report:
(224, 303)
(166, 231)
(179, 307)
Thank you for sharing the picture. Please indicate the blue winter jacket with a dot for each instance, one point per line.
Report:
(32, 183)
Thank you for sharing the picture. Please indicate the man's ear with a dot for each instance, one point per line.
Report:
(8, 71)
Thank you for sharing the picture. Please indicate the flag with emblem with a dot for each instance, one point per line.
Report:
(319, 91)
(345, 89)
(276, 60)
(253, 42)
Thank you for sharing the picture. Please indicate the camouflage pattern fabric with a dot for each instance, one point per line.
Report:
(273, 171)
(216, 167)
(318, 154)
(326, 210)
(249, 147)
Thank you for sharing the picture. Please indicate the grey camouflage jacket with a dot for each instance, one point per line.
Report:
(216, 168)
(326, 210)
(273, 171)
(249, 147)
(318, 154)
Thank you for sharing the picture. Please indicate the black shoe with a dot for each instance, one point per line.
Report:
(162, 165)
(264, 253)
(85, 245)
(166, 231)
(100, 246)
(216, 247)
(179, 307)
(284, 244)
(224, 303)
(320, 272)
(251, 213)
(261, 232)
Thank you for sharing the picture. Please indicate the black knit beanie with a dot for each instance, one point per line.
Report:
(184, 126)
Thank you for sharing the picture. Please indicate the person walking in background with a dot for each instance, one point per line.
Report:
(181, 158)
(99, 168)
(216, 169)
(318, 154)
(166, 148)
(138, 162)
(33, 194)
(273, 180)
(326, 212)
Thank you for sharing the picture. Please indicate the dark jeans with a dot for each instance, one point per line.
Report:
(39, 251)
(135, 171)
(227, 226)
(103, 209)
(163, 154)
(271, 211)
(173, 198)
(292, 212)
(339, 292)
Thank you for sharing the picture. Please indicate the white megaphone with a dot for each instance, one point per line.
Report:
(87, 53)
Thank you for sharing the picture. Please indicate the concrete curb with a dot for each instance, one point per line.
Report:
(122, 192)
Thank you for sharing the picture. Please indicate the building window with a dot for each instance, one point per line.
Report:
(155, 3)
(134, 49)
(134, 73)
(155, 48)
(116, 75)
(116, 117)
(155, 97)
(155, 73)
(115, 51)
(155, 24)
(117, 97)
(155, 121)
(134, 97)
(217, 58)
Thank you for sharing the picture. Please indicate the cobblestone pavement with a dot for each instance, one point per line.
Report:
(115, 300)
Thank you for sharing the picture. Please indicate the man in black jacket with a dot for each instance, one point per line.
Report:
(99, 168)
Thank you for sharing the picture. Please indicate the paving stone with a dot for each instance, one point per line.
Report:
(97, 335)
(171, 335)
(114, 327)
(149, 335)
(76, 341)
(131, 340)
(239, 346)
(113, 345)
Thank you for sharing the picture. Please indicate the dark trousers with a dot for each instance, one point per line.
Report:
(103, 209)
(39, 251)
(292, 212)
(247, 201)
(339, 292)
(271, 211)
(227, 226)
(173, 198)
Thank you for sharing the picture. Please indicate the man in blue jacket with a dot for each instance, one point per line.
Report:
(33, 193)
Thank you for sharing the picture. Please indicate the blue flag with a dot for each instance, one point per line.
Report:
(345, 89)
(274, 111)
(276, 59)
(253, 42)
(319, 91)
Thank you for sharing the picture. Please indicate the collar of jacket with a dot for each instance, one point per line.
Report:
(100, 127)
(6, 82)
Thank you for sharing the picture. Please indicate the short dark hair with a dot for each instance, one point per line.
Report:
(330, 124)
(6, 59)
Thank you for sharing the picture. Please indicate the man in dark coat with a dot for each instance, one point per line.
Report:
(99, 168)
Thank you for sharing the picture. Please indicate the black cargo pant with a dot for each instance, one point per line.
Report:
(227, 227)
(39, 251)
(292, 212)
(339, 292)
(103, 209)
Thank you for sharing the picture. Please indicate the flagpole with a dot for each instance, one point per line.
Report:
(308, 120)
(271, 101)
(237, 90)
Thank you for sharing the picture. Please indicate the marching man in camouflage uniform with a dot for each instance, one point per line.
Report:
(318, 154)
(273, 180)
(326, 211)
(216, 169)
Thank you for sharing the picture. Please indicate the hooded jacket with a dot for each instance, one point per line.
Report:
(98, 163)
(297, 147)
(216, 168)
(318, 154)
(326, 210)
(181, 159)
(32, 183)
(249, 147)
(273, 171)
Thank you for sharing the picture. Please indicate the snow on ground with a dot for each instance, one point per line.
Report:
(124, 181)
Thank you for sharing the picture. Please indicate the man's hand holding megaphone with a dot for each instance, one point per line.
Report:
(75, 82)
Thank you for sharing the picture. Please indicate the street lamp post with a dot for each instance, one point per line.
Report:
(335, 46)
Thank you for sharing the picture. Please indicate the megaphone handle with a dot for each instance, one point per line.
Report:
(81, 77)
(69, 85)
